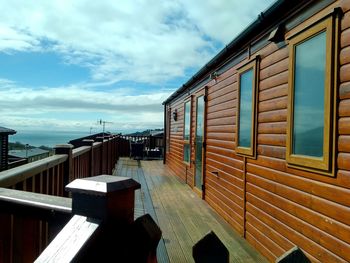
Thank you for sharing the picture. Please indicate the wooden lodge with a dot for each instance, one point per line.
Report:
(4, 141)
(262, 131)
(256, 152)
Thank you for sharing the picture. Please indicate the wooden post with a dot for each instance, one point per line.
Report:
(68, 166)
(101, 139)
(88, 142)
(104, 197)
(108, 161)
(112, 153)
(117, 147)
(103, 208)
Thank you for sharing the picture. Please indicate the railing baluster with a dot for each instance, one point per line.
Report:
(58, 185)
(32, 182)
(53, 184)
(44, 182)
(90, 160)
(5, 234)
(49, 182)
(68, 165)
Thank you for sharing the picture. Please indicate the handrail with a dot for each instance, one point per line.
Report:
(81, 150)
(96, 144)
(18, 174)
(71, 240)
(35, 200)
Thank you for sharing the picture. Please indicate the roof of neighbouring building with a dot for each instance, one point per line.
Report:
(157, 133)
(4, 130)
(28, 153)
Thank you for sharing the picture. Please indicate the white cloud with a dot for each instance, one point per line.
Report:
(222, 20)
(15, 40)
(54, 124)
(145, 40)
(56, 108)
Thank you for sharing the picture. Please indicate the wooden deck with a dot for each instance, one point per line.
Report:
(183, 217)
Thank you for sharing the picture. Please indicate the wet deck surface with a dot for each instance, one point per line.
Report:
(183, 217)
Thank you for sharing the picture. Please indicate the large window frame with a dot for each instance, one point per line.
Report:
(307, 162)
(242, 150)
(187, 127)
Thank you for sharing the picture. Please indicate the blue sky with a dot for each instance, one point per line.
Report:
(65, 64)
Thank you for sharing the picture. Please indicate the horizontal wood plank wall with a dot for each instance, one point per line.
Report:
(175, 155)
(284, 206)
(224, 169)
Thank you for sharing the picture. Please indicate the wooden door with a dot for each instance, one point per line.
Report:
(199, 142)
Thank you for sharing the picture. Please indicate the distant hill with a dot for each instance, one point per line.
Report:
(21, 146)
(144, 133)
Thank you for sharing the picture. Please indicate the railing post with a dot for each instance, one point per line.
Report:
(117, 147)
(104, 197)
(68, 166)
(101, 139)
(115, 151)
(103, 208)
(108, 161)
(89, 142)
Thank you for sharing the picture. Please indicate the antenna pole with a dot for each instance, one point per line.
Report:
(103, 123)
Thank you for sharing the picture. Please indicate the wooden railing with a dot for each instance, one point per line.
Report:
(153, 146)
(29, 222)
(48, 176)
(150, 141)
(124, 147)
(45, 176)
(100, 231)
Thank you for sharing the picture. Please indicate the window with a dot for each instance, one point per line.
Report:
(187, 131)
(309, 133)
(246, 109)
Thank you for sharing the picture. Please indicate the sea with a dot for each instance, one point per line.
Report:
(46, 138)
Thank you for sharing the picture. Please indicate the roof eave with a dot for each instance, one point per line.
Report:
(271, 14)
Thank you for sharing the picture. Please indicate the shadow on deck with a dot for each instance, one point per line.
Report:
(183, 217)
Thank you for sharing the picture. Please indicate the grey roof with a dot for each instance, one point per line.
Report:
(25, 154)
(4, 130)
(155, 133)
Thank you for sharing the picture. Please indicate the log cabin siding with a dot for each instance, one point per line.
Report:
(272, 205)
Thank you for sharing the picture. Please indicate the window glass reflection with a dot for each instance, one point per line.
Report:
(245, 109)
(187, 120)
(309, 83)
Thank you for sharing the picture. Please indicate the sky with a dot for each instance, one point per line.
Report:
(66, 64)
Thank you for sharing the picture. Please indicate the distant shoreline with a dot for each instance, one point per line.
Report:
(52, 138)
(45, 138)
(21, 146)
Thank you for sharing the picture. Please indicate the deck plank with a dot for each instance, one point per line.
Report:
(183, 217)
(143, 201)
